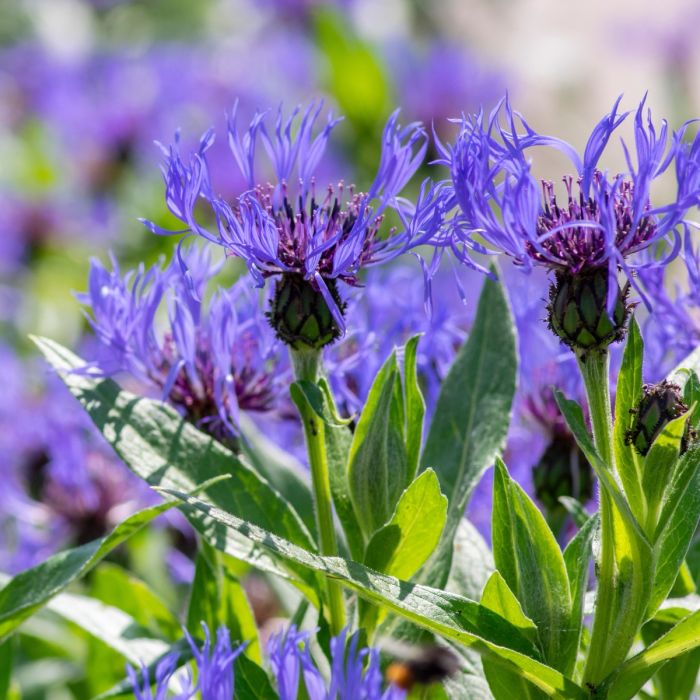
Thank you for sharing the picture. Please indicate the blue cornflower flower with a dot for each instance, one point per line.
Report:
(355, 673)
(214, 666)
(213, 360)
(288, 228)
(605, 219)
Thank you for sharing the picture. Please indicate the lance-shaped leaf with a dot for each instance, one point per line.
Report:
(472, 415)
(577, 558)
(401, 547)
(30, 590)
(499, 598)
(627, 395)
(472, 562)
(531, 563)
(677, 524)
(164, 450)
(415, 406)
(378, 461)
(626, 681)
(280, 469)
(454, 617)
(658, 468)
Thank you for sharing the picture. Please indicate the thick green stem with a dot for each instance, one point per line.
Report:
(306, 364)
(595, 371)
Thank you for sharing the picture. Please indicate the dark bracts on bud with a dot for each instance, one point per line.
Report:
(660, 404)
(578, 311)
(563, 470)
(299, 314)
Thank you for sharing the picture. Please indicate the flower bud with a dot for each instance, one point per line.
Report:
(299, 313)
(660, 404)
(562, 470)
(578, 310)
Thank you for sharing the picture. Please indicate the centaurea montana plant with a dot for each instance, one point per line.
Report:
(371, 544)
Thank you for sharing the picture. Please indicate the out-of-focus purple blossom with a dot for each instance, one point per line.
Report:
(215, 676)
(672, 329)
(300, 10)
(290, 228)
(62, 484)
(605, 220)
(441, 80)
(355, 673)
(214, 359)
(385, 315)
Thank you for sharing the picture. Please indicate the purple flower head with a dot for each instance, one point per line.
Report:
(604, 220)
(214, 671)
(672, 329)
(213, 360)
(289, 226)
(355, 673)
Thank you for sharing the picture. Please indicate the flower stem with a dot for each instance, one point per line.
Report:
(595, 371)
(306, 364)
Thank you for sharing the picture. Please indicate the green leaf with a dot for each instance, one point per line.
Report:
(529, 558)
(658, 468)
(415, 407)
(454, 617)
(472, 562)
(337, 438)
(499, 598)
(630, 584)
(676, 679)
(575, 509)
(577, 557)
(635, 672)
(164, 450)
(217, 598)
(627, 395)
(680, 374)
(30, 590)
(401, 547)
(114, 586)
(691, 397)
(283, 472)
(252, 683)
(111, 626)
(6, 662)
(677, 524)
(472, 414)
(378, 461)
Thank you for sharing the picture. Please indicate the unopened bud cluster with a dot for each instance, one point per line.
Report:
(660, 404)
(578, 310)
(300, 315)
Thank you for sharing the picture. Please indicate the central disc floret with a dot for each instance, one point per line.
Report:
(574, 236)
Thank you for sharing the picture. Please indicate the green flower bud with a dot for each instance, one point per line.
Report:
(562, 470)
(299, 313)
(660, 404)
(578, 311)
